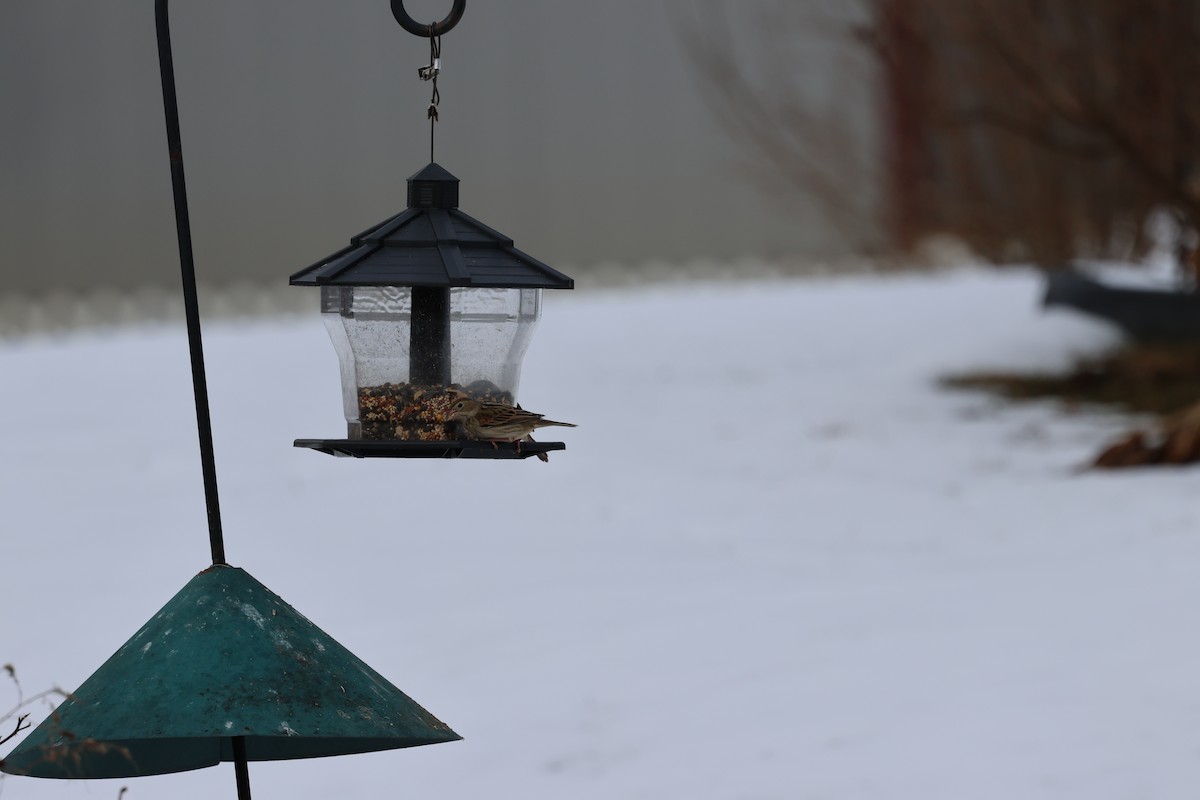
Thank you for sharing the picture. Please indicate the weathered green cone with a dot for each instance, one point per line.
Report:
(225, 657)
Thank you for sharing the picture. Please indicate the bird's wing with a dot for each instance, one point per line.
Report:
(493, 415)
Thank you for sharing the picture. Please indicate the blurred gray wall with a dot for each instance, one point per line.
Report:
(578, 128)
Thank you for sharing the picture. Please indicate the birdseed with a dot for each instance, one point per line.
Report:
(411, 413)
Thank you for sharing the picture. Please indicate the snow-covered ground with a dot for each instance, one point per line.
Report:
(776, 561)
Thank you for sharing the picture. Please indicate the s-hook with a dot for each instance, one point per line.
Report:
(435, 29)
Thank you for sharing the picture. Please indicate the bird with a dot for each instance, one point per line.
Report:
(497, 422)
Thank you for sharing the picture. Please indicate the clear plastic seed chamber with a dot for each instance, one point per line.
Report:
(402, 365)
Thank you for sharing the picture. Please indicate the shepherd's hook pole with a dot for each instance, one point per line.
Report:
(183, 228)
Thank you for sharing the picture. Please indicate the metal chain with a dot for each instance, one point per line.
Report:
(429, 72)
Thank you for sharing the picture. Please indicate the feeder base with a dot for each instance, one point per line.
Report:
(372, 448)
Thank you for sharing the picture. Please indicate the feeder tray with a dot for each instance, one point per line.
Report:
(367, 448)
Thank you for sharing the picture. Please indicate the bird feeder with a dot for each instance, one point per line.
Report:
(429, 305)
(426, 308)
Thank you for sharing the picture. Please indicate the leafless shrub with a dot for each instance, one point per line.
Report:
(1028, 129)
(763, 73)
(1041, 130)
(18, 717)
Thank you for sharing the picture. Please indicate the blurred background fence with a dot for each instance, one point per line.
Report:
(580, 129)
(620, 141)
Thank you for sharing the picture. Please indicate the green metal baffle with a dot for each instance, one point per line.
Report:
(225, 659)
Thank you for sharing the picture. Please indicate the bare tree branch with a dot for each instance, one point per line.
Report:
(763, 109)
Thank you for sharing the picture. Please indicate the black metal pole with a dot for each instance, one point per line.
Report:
(241, 769)
(183, 228)
(429, 336)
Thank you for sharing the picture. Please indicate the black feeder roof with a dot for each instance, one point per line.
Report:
(432, 243)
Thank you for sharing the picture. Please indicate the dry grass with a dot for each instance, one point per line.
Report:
(1143, 378)
(1161, 379)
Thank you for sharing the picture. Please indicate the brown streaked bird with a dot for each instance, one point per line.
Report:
(496, 422)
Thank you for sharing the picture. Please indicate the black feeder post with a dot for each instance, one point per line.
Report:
(429, 339)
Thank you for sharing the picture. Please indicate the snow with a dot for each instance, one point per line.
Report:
(1159, 268)
(777, 560)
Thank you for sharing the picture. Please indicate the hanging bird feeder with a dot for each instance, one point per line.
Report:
(428, 306)
(425, 308)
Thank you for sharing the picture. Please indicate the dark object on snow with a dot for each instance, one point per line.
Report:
(1145, 314)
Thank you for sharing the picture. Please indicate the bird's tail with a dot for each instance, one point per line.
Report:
(545, 459)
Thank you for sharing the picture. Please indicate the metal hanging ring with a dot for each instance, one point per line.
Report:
(436, 29)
